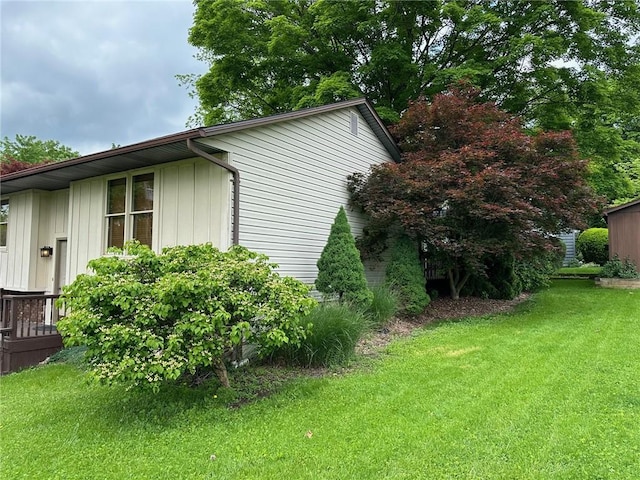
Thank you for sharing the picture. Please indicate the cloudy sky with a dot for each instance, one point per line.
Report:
(91, 73)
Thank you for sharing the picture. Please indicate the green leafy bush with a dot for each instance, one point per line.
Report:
(615, 268)
(340, 269)
(499, 279)
(405, 276)
(593, 245)
(574, 263)
(384, 305)
(146, 318)
(535, 273)
(335, 331)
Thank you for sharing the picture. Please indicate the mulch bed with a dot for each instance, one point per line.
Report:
(438, 310)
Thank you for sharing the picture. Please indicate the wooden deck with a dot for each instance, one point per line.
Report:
(27, 329)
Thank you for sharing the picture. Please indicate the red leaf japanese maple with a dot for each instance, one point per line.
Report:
(473, 184)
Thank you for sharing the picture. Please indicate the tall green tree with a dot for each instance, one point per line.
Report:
(558, 64)
(530, 56)
(27, 149)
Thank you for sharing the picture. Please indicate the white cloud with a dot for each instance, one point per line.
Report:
(92, 73)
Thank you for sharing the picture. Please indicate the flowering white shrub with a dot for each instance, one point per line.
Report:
(148, 318)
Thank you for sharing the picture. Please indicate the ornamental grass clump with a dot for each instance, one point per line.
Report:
(335, 331)
(383, 306)
(340, 269)
(146, 319)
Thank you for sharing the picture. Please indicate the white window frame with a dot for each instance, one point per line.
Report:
(6, 200)
(128, 205)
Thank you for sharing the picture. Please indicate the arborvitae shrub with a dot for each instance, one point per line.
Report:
(340, 269)
(593, 244)
(405, 276)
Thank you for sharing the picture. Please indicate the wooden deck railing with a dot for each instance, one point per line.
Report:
(23, 316)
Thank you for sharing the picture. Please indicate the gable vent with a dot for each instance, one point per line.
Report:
(354, 124)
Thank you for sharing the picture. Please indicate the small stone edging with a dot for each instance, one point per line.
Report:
(631, 283)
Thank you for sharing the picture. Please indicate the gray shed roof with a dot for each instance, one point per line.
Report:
(170, 148)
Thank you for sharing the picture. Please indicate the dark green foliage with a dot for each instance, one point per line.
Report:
(560, 64)
(498, 281)
(340, 269)
(535, 273)
(384, 305)
(335, 331)
(71, 355)
(506, 277)
(593, 245)
(615, 268)
(405, 276)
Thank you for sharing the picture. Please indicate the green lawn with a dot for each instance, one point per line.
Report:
(579, 271)
(550, 392)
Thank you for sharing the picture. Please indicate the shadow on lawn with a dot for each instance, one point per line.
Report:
(113, 408)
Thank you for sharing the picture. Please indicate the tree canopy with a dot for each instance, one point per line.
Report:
(27, 150)
(473, 185)
(560, 65)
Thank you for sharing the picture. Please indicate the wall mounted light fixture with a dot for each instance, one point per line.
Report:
(46, 251)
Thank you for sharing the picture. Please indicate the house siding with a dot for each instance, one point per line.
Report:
(194, 198)
(36, 219)
(293, 181)
(86, 217)
(16, 259)
(53, 223)
(191, 206)
(569, 240)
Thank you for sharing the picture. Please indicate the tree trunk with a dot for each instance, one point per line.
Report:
(455, 282)
(221, 372)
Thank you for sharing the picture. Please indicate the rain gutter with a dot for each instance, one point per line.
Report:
(235, 236)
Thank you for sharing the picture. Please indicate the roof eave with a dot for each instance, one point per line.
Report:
(609, 210)
(155, 142)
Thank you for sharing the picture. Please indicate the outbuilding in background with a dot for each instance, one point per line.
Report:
(624, 230)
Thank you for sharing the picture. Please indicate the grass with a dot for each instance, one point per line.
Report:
(549, 392)
(579, 271)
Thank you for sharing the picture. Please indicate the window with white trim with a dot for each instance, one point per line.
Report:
(4, 222)
(130, 210)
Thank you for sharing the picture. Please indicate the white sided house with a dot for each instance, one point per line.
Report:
(272, 184)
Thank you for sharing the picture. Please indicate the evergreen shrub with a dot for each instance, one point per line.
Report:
(340, 269)
(405, 276)
(593, 245)
(499, 280)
